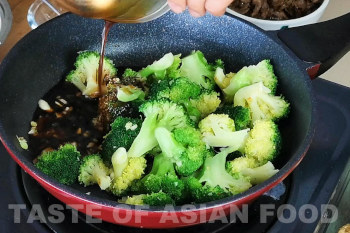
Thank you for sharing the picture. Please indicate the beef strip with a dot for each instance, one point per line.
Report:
(275, 9)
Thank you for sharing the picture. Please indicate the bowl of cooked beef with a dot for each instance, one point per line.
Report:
(278, 14)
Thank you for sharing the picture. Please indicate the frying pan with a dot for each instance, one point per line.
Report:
(42, 58)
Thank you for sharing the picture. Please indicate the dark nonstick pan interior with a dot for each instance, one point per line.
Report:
(46, 55)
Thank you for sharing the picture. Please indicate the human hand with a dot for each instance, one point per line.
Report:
(198, 8)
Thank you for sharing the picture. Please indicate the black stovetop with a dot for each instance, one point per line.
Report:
(322, 177)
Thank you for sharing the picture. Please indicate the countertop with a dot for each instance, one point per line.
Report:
(20, 27)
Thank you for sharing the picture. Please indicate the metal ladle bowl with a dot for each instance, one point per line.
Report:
(121, 11)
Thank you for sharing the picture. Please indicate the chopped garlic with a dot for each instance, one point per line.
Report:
(133, 127)
(22, 142)
(33, 131)
(91, 144)
(58, 103)
(63, 101)
(88, 193)
(44, 106)
(128, 125)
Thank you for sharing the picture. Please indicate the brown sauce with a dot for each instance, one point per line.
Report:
(101, 80)
(74, 118)
(71, 121)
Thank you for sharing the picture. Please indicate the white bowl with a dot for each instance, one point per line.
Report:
(279, 24)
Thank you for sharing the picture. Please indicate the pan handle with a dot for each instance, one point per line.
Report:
(320, 45)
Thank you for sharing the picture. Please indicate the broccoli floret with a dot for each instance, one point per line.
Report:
(184, 147)
(129, 93)
(123, 132)
(251, 168)
(198, 193)
(260, 174)
(239, 114)
(207, 102)
(162, 178)
(130, 73)
(264, 142)
(178, 90)
(158, 113)
(221, 79)
(218, 130)
(262, 72)
(165, 67)
(85, 74)
(214, 174)
(153, 199)
(94, 171)
(62, 164)
(173, 71)
(261, 103)
(158, 199)
(198, 102)
(198, 70)
(132, 200)
(240, 163)
(125, 171)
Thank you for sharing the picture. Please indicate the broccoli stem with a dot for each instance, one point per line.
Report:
(102, 180)
(162, 166)
(119, 161)
(260, 174)
(145, 140)
(129, 93)
(159, 67)
(214, 172)
(167, 143)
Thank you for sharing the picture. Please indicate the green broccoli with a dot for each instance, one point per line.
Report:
(85, 74)
(264, 142)
(62, 164)
(240, 163)
(198, 70)
(251, 168)
(178, 90)
(129, 93)
(125, 171)
(158, 113)
(94, 171)
(123, 132)
(214, 182)
(207, 102)
(153, 199)
(239, 114)
(162, 177)
(218, 130)
(221, 79)
(165, 67)
(260, 174)
(262, 72)
(198, 102)
(262, 105)
(196, 192)
(214, 174)
(184, 147)
(130, 73)
(173, 71)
